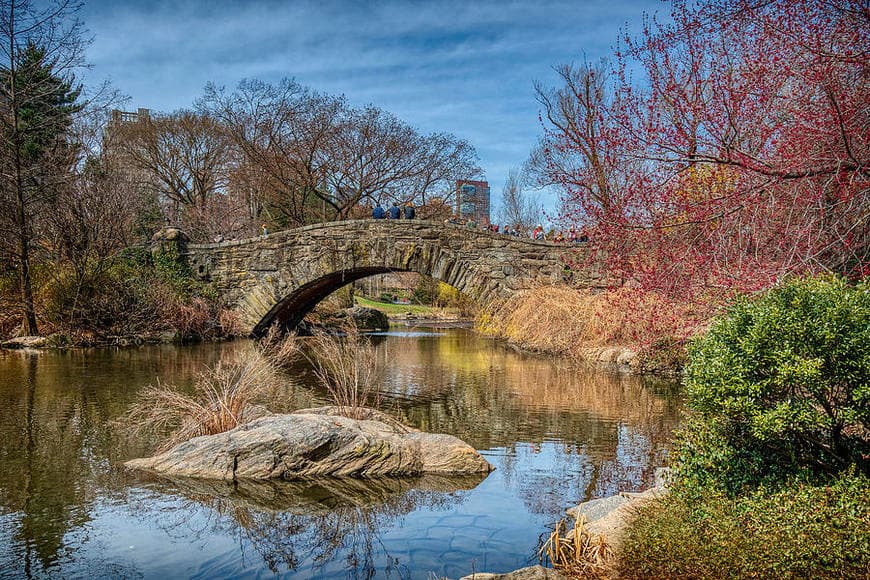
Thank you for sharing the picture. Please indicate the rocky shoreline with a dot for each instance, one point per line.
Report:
(602, 520)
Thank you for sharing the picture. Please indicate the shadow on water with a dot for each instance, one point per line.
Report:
(555, 434)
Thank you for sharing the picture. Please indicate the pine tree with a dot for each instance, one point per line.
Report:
(40, 47)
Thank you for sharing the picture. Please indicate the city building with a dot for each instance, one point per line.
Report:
(472, 200)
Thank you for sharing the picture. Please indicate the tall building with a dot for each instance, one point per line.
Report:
(472, 200)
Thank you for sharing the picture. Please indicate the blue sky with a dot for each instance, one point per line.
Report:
(463, 67)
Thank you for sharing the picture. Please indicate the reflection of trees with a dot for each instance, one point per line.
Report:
(56, 441)
(594, 433)
(40, 443)
(316, 522)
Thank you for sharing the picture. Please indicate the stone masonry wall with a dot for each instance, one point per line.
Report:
(283, 275)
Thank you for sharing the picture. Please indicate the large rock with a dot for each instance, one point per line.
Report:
(609, 517)
(368, 318)
(315, 443)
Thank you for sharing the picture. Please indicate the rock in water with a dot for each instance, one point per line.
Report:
(368, 318)
(530, 573)
(313, 443)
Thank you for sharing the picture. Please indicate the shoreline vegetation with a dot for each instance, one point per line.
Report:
(770, 471)
(622, 328)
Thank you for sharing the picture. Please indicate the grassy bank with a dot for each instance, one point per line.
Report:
(581, 324)
(800, 530)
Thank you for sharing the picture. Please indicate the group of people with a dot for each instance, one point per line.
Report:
(538, 233)
(407, 211)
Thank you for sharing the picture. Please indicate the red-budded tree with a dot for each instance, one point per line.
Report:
(741, 155)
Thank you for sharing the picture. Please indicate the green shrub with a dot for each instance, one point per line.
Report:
(798, 531)
(780, 385)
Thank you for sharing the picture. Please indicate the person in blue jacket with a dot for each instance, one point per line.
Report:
(378, 213)
(395, 212)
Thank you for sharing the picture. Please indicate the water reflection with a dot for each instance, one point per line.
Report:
(307, 525)
(556, 436)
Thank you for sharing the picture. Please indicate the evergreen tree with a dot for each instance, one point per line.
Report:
(40, 46)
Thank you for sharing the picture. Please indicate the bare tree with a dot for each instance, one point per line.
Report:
(41, 46)
(577, 131)
(285, 134)
(186, 160)
(518, 208)
(314, 158)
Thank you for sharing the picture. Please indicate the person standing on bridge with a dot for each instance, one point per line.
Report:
(378, 213)
(264, 230)
(395, 212)
(410, 212)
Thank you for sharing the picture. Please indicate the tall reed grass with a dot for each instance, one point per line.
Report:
(230, 393)
(577, 552)
(562, 320)
(223, 397)
(347, 367)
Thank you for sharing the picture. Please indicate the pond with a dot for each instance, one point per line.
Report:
(556, 435)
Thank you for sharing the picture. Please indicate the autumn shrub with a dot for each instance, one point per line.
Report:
(798, 530)
(780, 385)
(449, 297)
(132, 294)
(105, 301)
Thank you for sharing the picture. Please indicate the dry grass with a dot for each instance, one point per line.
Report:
(228, 394)
(563, 320)
(279, 348)
(347, 367)
(577, 553)
(223, 397)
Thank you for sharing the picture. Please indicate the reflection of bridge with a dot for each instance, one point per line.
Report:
(281, 277)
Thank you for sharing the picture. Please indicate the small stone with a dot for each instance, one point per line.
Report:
(596, 509)
(530, 573)
(26, 342)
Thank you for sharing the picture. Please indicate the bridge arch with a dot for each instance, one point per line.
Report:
(281, 277)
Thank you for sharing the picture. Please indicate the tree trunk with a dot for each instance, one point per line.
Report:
(28, 325)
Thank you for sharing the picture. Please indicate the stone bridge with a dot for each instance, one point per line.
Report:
(281, 277)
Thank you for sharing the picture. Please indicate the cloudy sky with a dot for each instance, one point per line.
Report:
(466, 67)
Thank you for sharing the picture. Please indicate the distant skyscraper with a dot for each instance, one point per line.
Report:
(472, 200)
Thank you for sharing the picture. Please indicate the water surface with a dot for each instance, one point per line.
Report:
(556, 435)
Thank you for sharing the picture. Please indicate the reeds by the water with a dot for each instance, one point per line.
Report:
(347, 367)
(577, 553)
(562, 320)
(223, 397)
(230, 393)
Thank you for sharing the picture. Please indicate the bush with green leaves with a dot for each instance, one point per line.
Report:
(780, 385)
(799, 530)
